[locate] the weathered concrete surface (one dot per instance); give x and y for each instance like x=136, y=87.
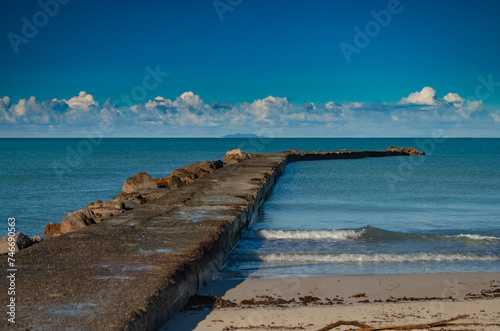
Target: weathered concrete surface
x=137, y=269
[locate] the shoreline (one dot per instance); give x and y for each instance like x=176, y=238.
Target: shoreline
x=312, y=303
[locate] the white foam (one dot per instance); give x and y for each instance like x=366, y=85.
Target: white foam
x=374, y=258
x=475, y=237
x=310, y=234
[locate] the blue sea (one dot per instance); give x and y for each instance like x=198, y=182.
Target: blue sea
x=433, y=213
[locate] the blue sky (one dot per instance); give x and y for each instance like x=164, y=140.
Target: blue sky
x=265, y=62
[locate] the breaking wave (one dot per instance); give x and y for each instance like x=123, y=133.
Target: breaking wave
x=373, y=258
x=368, y=233
x=310, y=234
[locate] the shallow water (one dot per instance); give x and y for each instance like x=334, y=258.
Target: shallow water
x=367, y=216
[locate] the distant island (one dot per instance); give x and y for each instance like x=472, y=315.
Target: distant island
x=242, y=135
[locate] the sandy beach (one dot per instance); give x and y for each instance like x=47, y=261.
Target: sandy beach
x=371, y=300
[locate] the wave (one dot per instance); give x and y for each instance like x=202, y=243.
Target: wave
x=374, y=258
x=475, y=237
x=367, y=233
x=310, y=234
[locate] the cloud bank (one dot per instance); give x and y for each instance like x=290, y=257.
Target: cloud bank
x=421, y=113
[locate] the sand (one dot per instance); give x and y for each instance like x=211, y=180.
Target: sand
x=374, y=300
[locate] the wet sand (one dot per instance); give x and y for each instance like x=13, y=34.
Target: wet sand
x=373, y=300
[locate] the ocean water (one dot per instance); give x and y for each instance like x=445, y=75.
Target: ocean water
x=424, y=214
x=436, y=213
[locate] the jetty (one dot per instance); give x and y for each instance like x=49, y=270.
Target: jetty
x=135, y=270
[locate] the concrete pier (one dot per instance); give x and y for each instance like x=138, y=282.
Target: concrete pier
x=136, y=270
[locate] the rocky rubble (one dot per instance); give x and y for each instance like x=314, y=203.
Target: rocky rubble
x=234, y=156
x=408, y=150
x=136, y=190
x=21, y=241
x=140, y=181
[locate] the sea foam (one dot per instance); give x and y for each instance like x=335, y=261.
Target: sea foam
x=309, y=234
x=373, y=258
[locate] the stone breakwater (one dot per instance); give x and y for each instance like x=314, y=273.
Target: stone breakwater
x=137, y=190
x=134, y=269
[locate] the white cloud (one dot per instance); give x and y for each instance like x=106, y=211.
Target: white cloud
x=189, y=99
x=474, y=105
x=5, y=101
x=83, y=101
x=29, y=111
x=4, y=110
x=424, y=97
x=187, y=114
x=453, y=97
x=496, y=116
x=159, y=102
x=268, y=111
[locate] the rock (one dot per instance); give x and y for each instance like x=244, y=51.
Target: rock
x=98, y=212
x=121, y=197
x=191, y=172
x=175, y=182
x=77, y=220
x=21, y=241
x=234, y=156
x=407, y=150
x=52, y=230
x=135, y=197
x=132, y=184
x=95, y=204
x=137, y=201
x=146, y=186
x=203, y=167
x=152, y=194
x=36, y=239
x=110, y=204
x=130, y=204
x=292, y=151
x=184, y=175
x=161, y=182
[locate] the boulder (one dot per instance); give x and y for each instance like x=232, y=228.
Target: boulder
x=20, y=239
x=146, y=186
x=155, y=193
x=77, y=220
x=184, y=175
x=119, y=198
x=137, y=182
x=52, y=230
x=111, y=211
x=175, y=182
x=95, y=204
x=407, y=150
x=36, y=239
x=234, y=156
x=130, y=204
x=191, y=172
x=122, y=197
x=203, y=167
x=161, y=182
x=292, y=151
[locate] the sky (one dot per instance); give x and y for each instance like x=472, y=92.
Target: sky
x=207, y=68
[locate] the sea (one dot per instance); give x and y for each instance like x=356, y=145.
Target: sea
x=422, y=214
